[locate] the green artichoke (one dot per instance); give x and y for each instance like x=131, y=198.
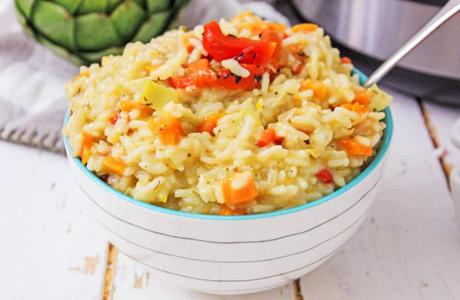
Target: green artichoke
x=83, y=31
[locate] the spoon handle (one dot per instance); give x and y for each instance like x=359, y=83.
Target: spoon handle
x=449, y=10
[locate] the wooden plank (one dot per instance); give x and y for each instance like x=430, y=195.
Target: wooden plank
x=442, y=119
x=50, y=248
x=132, y=281
x=409, y=246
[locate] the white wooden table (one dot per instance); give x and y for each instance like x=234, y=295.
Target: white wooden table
x=409, y=248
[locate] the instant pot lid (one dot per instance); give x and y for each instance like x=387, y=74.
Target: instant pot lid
x=408, y=80
x=430, y=2
x=378, y=28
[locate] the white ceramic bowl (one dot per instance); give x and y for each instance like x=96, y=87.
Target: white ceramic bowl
x=234, y=254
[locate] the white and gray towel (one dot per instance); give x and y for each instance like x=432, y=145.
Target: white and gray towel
x=32, y=79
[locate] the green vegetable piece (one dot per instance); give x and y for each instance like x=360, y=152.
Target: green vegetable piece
x=96, y=32
x=82, y=31
x=127, y=18
x=95, y=57
x=25, y=7
x=92, y=6
x=55, y=23
x=380, y=100
x=154, y=6
x=156, y=95
x=70, y=5
x=141, y=3
x=112, y=4
x=155, y=25
x=62, y=52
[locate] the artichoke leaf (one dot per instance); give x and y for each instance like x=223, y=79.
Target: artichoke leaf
x=127, y=18
x=95, y=56
x=54, y=22
x=84, y=29
x=92, y=6
x=155, y=25
x=112, y=5
x=154, y=6
x=25, y=7
x=95, y=32
x=70, y=5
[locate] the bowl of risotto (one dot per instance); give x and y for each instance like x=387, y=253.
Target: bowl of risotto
x=232, y=157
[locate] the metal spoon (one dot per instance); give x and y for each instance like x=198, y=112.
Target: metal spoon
x=449, y=10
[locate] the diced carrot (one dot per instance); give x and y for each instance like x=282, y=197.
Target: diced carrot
x=354, y=147
x=346, y=60
x=305, y=27
x=114, y=116
x=227, y=211
x=241, y=188
x=88, y=140
x=363, y=97
x=324, y=176
x=269, y=137
x=114, y=165
x=295, y=48
x=320, y=90
x=279, y=27
x=297, y=100
x=242, y=15
x=144, y=110
x=86, y=144
x=254, y=28
x=209, y=123
x=85, y=72
x=356, y=107
x=170, y=131
x=85, y=154
x=199, y=65
x=258, y=27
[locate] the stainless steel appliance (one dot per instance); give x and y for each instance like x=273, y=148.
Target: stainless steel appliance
x=371, y=30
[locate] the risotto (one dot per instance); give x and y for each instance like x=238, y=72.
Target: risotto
x=233, y=117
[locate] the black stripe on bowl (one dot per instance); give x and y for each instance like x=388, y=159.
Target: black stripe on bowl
x=238, y=280
x=239, y=261
x=236, y=242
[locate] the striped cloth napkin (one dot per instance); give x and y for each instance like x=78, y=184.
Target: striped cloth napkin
x=32, y=79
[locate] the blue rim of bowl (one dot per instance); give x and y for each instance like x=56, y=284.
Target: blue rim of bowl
x=383, y=149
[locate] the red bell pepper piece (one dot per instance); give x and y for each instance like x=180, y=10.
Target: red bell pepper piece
x=247, y=51
x=269, y=137
x=200, y=75
x=324, y=176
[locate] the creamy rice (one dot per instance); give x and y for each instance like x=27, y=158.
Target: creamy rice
x=326, y=126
